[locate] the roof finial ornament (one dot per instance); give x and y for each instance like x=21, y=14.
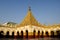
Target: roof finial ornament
x=29, y=8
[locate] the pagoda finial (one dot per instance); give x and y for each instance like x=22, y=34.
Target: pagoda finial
x=29, y=8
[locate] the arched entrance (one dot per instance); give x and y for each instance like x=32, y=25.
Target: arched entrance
x=21, y=34
x=18, y=36
x=1, y=34
x=52, y=33
x=42, y=34
x=12, y=35
x=58, y=33
x=7, y=34
x=47, y=34
x=38, y=33
x=26, y=33
x=34, y=31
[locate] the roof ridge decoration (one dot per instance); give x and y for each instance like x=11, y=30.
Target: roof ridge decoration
x=29, y=20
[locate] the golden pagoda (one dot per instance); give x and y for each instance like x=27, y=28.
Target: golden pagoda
x=29, y=20
x=29, y=27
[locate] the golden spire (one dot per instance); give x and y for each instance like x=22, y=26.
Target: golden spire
x=29, y=20
x=29, y=8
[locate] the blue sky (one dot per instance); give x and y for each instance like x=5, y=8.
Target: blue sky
x=45, y=11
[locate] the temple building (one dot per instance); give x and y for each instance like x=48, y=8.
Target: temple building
x=29, y=27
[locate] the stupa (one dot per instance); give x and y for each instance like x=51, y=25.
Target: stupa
x=29, y=27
